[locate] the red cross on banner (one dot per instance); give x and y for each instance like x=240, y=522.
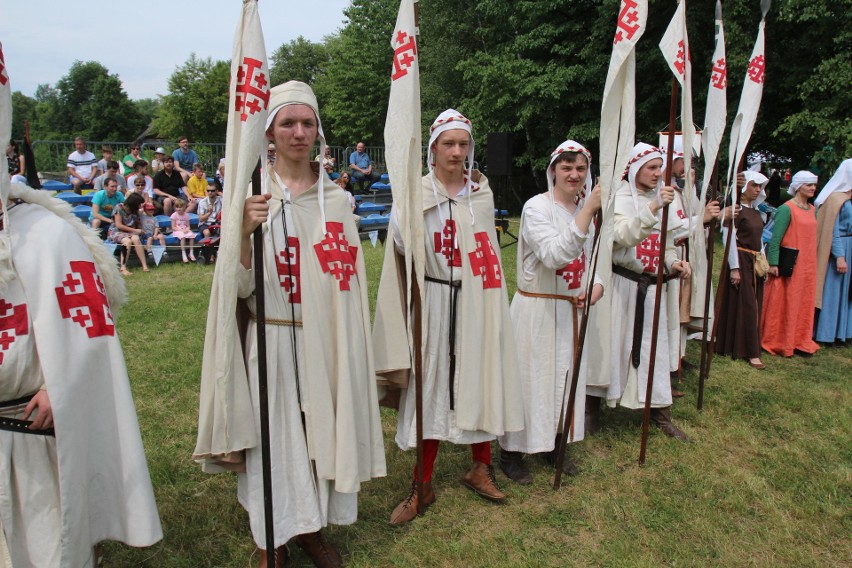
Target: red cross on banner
x=720, y=74
x=289, y=275
x=404, y=54
x=252, y=88
x=573, y=272
x=4, y=78
x=756, y=68
x=680, y=62
x=627, y=18
x=485, y=262
x=336, y=255
x=13, y=323
x=445, y=243
x=648, y=253
x=82, y=298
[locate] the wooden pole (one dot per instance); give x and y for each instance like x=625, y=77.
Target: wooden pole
x=711, y=244
x=417, y=323
x=655, y=329
x=262, y=384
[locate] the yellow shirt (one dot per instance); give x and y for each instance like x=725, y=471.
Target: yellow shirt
x=197, y=187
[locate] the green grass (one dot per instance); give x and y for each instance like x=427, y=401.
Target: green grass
x=765, y=480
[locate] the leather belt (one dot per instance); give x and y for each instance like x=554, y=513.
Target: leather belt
x=572, y=299
x=272, y=321
x=23, y=427
x=455, y=286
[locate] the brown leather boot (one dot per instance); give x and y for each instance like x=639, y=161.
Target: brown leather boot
x=321, y=552
x=662, y=419
x=512, y=464
x=480, y=479
x=407, y=509
x=591, y=424
x=282, y=553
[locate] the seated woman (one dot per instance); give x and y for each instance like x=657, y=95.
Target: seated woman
x=738, y=331
x=126, y=230
x=15, y=159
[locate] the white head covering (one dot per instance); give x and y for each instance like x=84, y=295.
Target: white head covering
x=677, y=152
x=299, y=93
x=569, y=146
x=840, y=181
x=642, y=154
x=451, y=119
x=760, y=180
x=802, y=177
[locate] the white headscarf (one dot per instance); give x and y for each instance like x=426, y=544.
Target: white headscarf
x=642, y=154
x=451, y=119
x=569, y=146
x=760, y=180
x=801, y=178
x=299, y=93
x=840, y=181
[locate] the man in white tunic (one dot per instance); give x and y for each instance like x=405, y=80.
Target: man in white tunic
x=471, y=390
x=72, y=466
x=325, y=432
x=635, y=257
x=554, y=252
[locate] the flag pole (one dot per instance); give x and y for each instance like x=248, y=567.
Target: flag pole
x=578, y=357
x=706, y=354
x=655, y=329
x=262, y=381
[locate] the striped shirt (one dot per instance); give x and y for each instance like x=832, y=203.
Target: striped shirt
x=83, y=163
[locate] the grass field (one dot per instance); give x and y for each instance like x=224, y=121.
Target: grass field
x=765, y=480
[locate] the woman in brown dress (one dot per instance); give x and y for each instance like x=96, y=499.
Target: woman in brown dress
x=738, y=332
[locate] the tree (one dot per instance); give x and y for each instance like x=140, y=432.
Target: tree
x=197, y=103
x=298, y=60
x=23, y=108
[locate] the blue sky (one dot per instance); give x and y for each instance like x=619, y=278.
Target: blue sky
x=143, y=41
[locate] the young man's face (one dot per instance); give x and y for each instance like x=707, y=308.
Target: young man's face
x=111, y=188
x=649, y=175
x=211, y=193
x=169, y=165
x=677, y=168
x=570, y=175
x=751, y=191
x=450, y=151
x=184, y=144
x=294, y=132
x=112, y=172
x=106, y=155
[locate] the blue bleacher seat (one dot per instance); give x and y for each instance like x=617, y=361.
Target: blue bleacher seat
x=82, y=212
x=385, y=178
x=163, y=221
x=54, y=185
x=365, y=208
x=73, y=199
x=193, y=220
x=379, y=186
x=374, y=222
x=172, y=241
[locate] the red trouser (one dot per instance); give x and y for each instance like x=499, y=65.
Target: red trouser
x=480, y=451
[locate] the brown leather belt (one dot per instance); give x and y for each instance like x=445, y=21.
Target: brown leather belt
x=272, y=321
x=572, y=299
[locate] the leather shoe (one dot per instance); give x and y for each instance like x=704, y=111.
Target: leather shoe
x=321, y=552
x=662, y=419
x=407, y=509
x=676, y=393
x=512, y=464
x=480, y=479
x=759, y=366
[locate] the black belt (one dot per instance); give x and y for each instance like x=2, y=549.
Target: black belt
x=455, y=286
x=21, y=426
x=644, y=281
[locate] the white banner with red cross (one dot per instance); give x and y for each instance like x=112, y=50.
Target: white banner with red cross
x=716, y=113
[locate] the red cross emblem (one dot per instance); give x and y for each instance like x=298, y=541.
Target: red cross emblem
x=13, y=323
x=680, y=62
x=4, y=78
x=756, y=68
x=336, y=255
x=445, y=243
x=484, y=262
x=252, y=88
x=627, y=18
x=648, y=253
x=404, y=54
x=289, y=275
x=573, y=272
x=719, y=78
x=681, y=214
x=83, y=299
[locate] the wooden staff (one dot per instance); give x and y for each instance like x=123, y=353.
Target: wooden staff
x=578, y=357
x=655, y=328
x=262, y=390
x=704, y=365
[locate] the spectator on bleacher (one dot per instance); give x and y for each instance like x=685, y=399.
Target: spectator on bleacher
x=104, y=203
x=15, y=158
x=157, y=163
x=168, y=186
x=131, y=158
x=139, y=185
x=150, y=227
x=196, y=187
x=209, y=211
x=140, y=168
x=111, y=172
x=126, y=230
x=362, y=168
x=82, y=167
x=184, y=158
x=181, y=229
x=220, y=177
x=106, y=157
x=327, y=160
x=342, y=183
x=270, y=155
x=346, y=180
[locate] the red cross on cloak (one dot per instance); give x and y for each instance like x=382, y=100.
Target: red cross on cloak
x=485, y=262
x=13, y=323
x=290, y=276
x=336, y=255
x=573, y=272
x=445, y=243
x=648, y=253
x=82, y=298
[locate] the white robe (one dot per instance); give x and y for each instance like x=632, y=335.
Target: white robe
x=628, y=384
x=544, y=327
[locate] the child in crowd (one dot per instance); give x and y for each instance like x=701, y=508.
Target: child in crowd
x=126, y=230
x=140, y=168
x=196, y=187
x=181, y=230
x=106, y=158
x=150, y=227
